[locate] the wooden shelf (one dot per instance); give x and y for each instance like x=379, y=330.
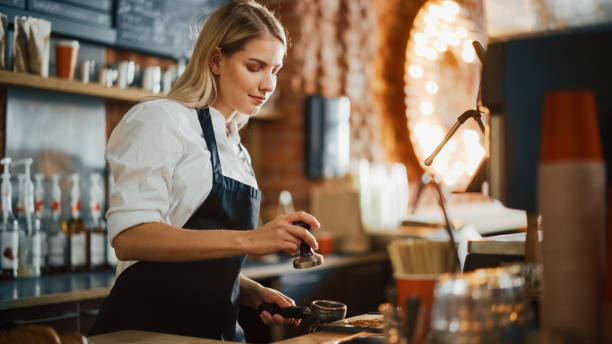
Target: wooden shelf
x=75, y=87
x=130, y=94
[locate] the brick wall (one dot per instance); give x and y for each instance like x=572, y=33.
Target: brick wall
x=395, y=18
x=332, y=47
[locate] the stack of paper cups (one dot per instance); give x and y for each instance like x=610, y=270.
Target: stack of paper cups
x=571, y=198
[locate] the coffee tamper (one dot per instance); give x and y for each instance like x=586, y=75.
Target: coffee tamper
x=307, y=258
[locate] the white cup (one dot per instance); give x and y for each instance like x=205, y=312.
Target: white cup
x=126, y=71
x=151, y=80
x=87, y=70
x=107, y=76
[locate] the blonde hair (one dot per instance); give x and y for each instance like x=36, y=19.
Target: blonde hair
x=229, y=28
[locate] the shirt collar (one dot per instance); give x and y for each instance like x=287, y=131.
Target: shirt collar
x=230, y=131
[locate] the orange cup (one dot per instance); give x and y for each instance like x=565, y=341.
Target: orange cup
x=66, y=52
x=326, y=243
x=421, y=286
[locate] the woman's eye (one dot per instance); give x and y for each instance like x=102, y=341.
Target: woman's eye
x=253, y=69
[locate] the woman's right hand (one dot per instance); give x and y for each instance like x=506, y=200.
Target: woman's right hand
x=281, y=234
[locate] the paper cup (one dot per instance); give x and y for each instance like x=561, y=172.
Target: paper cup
x=421, y=286
x=326, y=242
x=66, y=52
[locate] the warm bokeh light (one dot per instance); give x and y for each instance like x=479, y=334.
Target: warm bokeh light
x=431, y=87
x=416, y=71
x=420, y=50
x=461, y=32
x=435, y=10
x=467, y=54
x=440, y=45
x=431, y=31
x=449, y=38
x=439, y=88
x=426, y=108
x=452, y=6
x=431, y=54
x=419, y=38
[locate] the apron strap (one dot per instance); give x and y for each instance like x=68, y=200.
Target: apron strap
x=209, y=137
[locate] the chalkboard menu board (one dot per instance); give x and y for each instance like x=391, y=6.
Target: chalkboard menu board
x=161, y=27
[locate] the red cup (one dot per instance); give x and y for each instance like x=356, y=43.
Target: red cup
x=326, y=243
x=66, y=52
x=420, y=286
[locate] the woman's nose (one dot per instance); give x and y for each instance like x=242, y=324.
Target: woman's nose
x=268, y=82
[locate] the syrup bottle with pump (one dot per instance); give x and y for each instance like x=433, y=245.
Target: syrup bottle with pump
x=30, y=247
x=77, y=233
x=97, y=235
x=20, y=202
x=9, y=228
x=41, y=216
x=57, y=260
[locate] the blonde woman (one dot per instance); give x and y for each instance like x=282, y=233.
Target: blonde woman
x=185, y=197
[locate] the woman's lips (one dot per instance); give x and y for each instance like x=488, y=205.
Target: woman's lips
x=259, y=100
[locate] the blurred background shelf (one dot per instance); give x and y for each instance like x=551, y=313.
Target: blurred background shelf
x=24, y=80
x=130, y=94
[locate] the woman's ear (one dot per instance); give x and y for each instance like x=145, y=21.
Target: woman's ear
x=215, y=61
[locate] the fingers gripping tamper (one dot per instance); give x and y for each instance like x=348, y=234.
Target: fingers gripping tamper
x=308, y=258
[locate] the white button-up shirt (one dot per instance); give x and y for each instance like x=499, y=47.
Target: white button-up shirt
x=161, y=165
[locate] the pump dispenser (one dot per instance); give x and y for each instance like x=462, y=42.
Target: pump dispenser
x=9, y=228
x=20, y=201
x=58, y=241
x=97, y=235
x=40, y=216
x=30, y=243
x=77, y=233
x=39, y=195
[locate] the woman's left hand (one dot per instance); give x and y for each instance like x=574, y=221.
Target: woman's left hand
x=274, y=296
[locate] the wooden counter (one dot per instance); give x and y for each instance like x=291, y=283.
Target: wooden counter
x=141, y=337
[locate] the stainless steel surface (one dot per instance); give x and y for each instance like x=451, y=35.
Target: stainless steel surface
x=25, y=292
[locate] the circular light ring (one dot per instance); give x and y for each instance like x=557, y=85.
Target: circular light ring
x=441, y=81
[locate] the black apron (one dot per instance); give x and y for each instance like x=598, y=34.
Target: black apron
x=197, y=299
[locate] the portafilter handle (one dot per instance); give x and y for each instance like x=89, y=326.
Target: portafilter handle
x=287, y=312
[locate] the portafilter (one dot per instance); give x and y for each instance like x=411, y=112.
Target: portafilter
x=322, y=311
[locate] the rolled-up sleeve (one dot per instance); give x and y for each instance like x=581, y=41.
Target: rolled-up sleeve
x=142, y=152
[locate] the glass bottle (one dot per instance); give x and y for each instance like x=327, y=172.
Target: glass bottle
x=97, y=235
x=41, y=217
x=57, y=260
x=77, y=233
x=29, y=240
x=20, y=210
x=9, y=228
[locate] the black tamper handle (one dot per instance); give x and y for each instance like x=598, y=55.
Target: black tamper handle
x=287, y=312
x=305, y=249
